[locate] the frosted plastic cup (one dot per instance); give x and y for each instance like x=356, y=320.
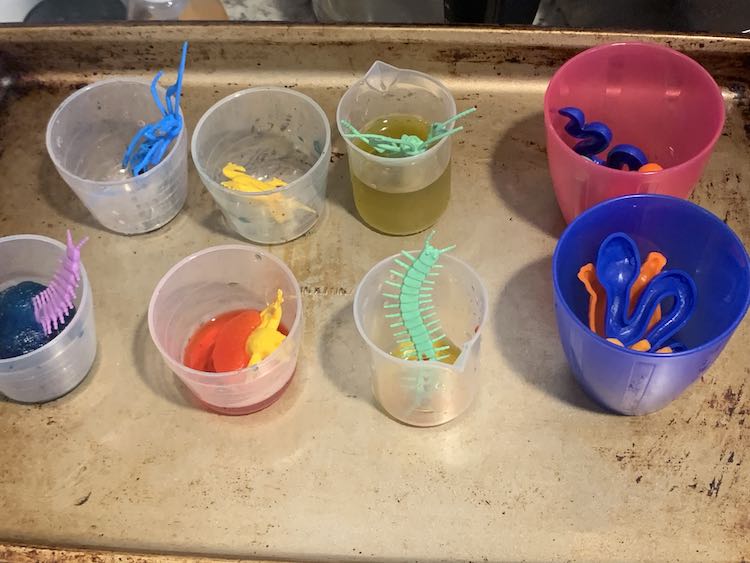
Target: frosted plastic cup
x=215, y=281
x=650, y=96
x=86, y=139
x=426, y=393
x=398, y=196
x=691, y=239
x=273, y=133
x=60, y=365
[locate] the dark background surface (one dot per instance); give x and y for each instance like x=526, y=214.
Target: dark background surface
x=712, y=16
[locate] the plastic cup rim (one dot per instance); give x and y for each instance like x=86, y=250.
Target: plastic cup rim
x=706, y=150
x=710, y=216
x=110, y=183
x=467, y=345
x=77, y=318
x=196, y=255
x=257, y=90
x=403, y=160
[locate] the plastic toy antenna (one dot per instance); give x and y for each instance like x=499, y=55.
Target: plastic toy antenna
x=418, y=328
x=407, y=145
x=150, y=143
x=53, y=304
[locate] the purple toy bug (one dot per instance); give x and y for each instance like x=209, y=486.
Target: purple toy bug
x=53, y=304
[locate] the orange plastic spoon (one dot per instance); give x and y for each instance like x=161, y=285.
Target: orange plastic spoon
x=653, y=265
x=597, y=298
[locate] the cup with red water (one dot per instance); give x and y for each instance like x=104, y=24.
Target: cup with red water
x=209, y=285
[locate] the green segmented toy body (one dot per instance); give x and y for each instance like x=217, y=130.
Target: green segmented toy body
x=416, y=322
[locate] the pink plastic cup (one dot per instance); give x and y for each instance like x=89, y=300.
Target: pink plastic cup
x=650, y=96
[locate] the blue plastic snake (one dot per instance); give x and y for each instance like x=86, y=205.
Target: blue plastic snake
x=150, y=143
x=618, y=264
x=595, y=138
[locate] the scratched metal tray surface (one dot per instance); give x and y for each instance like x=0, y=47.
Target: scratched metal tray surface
x=534, y=470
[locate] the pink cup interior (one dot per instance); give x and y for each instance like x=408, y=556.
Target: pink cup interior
x=650, y=96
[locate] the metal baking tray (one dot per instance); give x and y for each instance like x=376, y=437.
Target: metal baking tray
x=128, y=463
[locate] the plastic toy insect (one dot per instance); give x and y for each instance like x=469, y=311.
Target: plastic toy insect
x=241, y=181
x=53, y=304
x=266, y=338
x=417, y=325
x=407, y=145
x=150, y=143
x=279, y=205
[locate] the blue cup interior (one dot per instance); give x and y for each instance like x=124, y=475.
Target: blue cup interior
x=691, y=238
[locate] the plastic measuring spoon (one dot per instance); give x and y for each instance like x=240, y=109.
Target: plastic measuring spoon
x=595, y=136
x=674, y=284
x=597, y=298
x=626, y=155
x=654, y=264
x=618, y=264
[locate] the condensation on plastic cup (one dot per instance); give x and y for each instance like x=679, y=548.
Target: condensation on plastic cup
x=59, y=366
x=86, y=138
x=271, y=132
x=214, y=281
x=424, y=393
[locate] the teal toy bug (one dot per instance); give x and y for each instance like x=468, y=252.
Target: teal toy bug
x=407, y=145
x=418, y=329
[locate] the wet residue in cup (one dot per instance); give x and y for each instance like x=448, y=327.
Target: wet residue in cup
x=236, y=339
x=20, y=332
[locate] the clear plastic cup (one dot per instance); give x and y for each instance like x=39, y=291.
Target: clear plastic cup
x=272, y=132
x=215, y=281
x=86, y=139
x=650, y=96
x=398, y=196
x=426, y=393
x=60, y=365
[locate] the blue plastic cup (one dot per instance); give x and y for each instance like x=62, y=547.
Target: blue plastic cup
x=693, y=240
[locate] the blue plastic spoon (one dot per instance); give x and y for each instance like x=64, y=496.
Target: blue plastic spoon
x=618, y=264
x=674, y=284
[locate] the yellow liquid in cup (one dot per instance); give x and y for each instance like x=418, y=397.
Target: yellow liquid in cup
x=407, y=212
x=451, y=354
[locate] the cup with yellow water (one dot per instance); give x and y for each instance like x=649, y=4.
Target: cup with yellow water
x=398, y=194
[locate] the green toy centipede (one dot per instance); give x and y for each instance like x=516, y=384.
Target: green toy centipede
x=418, y=329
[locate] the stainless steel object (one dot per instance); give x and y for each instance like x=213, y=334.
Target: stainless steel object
x=128, y=463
